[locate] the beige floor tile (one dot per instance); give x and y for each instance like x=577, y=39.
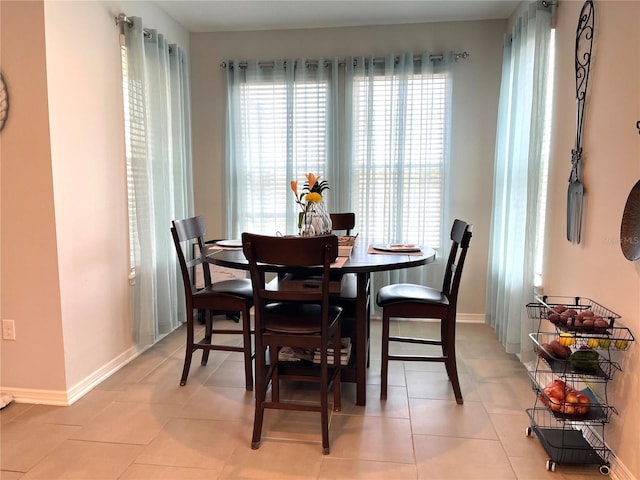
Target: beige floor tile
x=294, y=426
x=124, y=422
x=24, y=444
x=581, y=472
x=203, y=430
x=80, y=413
x=512, y=395
x=7, y=475
x=436, y=385
x=229, y=374
x=511, y=429
x=496, y=370
x=162, y=385
x=347, y=469
x=449, y=458
x=192, y=443
x=274, y=460
x=533, y=468
x=220, y=403
x=85, y=460
x=372, y=438
x=396, y=404
x=479, y=348
x=13, y=410
x=161, y=472
x=447, y=418
x=174, y=341
x=134, y=371
x=396, y=374
x=435, y=366
x=171, y=369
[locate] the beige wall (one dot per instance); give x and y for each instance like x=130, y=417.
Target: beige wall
x=474, y=111
x=64, y=274
x=30, y=285
x=596, y=268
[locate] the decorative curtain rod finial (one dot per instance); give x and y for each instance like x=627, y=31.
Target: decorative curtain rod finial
x=122, y=18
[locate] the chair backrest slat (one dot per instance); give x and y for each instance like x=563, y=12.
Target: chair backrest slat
x=192, y=231
x=460, y=238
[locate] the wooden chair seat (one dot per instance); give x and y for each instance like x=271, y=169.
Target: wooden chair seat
x=410, y=293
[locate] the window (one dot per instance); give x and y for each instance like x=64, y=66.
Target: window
x=399, y=155
x=381, y=143
x=284, y=136
x=134, y=139
x=544, y=164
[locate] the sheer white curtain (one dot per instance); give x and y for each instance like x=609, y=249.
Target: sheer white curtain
x=281, y=124
x=398, y=112
x=516, y=211
x=158, y=138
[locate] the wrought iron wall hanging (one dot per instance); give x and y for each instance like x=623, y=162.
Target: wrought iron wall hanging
x=4, y=102
x=584, y=43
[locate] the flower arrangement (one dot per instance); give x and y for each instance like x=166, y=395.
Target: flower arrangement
x=310, y=196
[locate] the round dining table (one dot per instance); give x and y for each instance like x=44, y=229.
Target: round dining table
x=354, y=292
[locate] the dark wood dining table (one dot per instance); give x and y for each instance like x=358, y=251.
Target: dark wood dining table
x=355, y=293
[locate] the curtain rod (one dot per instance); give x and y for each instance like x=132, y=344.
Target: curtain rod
x=123, y=19
x=433, y=58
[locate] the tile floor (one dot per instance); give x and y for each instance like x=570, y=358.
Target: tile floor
x=140, y=424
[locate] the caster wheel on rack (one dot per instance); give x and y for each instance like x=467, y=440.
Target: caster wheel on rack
x=528, y=431
x=605, y=469
x=551, y=465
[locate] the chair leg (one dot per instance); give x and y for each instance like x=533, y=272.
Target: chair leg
x=189, y=348
x=275, y=378
x=324, y=405
x=385, y=355
x=444, y=336
x=452, y=371
x=207, y=336
x=261, y=393
x=337, y=386
x=449, y=346
x=246, y=339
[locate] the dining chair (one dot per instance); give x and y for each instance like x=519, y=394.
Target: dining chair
x=290, y=316
x=343, y=221
x=227, y=295
x=418, y=301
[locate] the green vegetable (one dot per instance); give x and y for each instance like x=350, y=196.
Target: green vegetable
x=585, y=360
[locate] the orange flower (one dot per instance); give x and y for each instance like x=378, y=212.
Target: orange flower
x=312, y=179
x=294, y=187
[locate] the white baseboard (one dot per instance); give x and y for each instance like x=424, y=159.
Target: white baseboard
x=64, y=398
x=81, y=388
x=460, y=317
x=44, y=397
x=470, y=317
x=619, y=471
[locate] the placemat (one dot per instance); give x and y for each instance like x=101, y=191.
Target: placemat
x=339, y=263
x=379, y=252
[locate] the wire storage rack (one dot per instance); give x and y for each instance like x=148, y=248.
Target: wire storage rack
x=570, y=377
x=567, y=442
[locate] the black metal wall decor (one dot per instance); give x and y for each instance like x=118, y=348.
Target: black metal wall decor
x=584, y=43
x=4, y=102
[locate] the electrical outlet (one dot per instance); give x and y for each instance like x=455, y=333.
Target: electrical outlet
x=9, y=329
